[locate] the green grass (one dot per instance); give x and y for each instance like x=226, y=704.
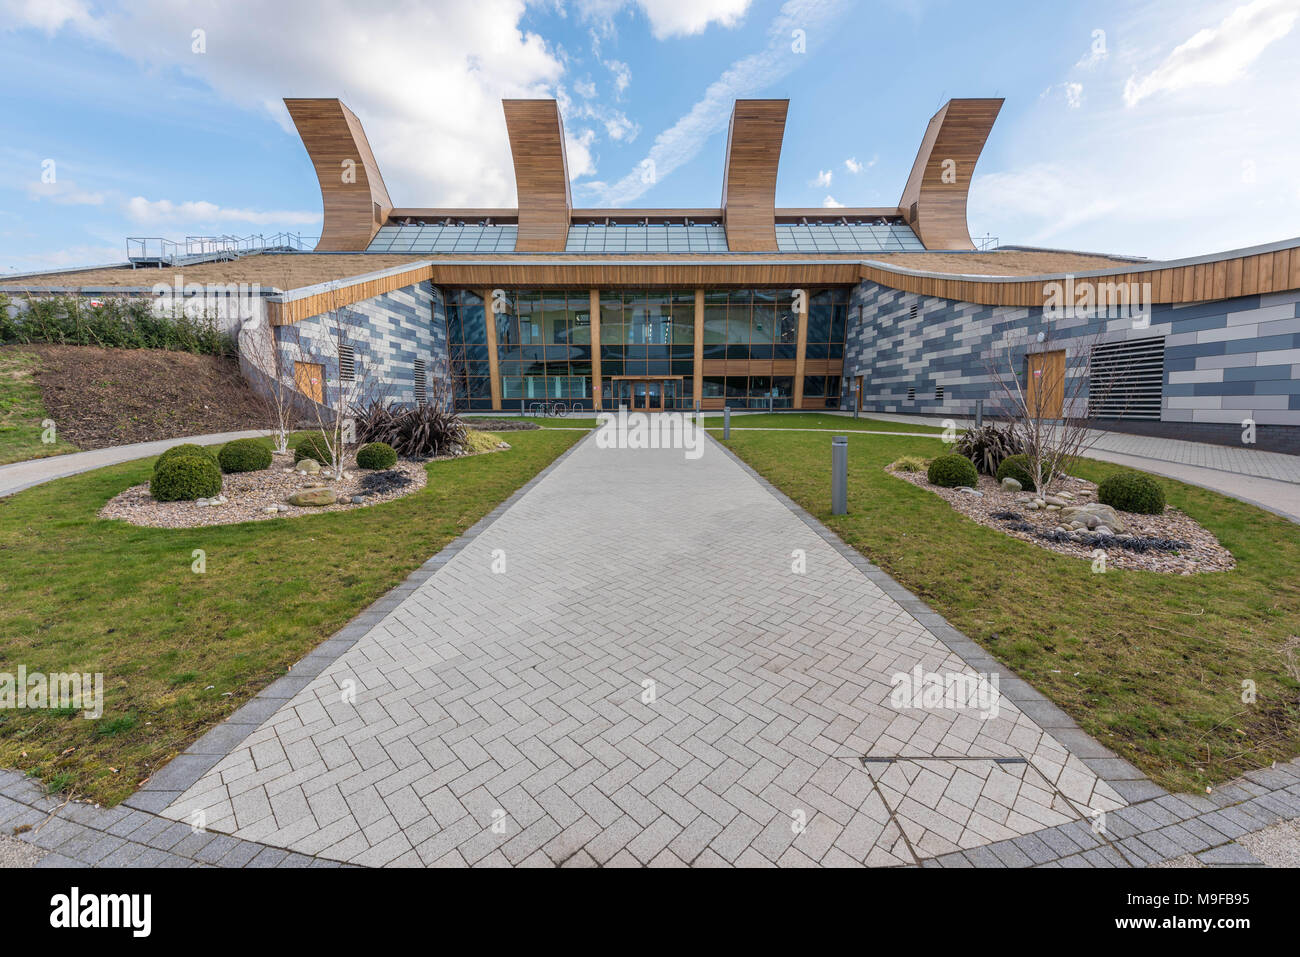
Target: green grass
x=813, y=420
x=1151, y=665
x=180, y=651
x=22, y=412
x=757, y=420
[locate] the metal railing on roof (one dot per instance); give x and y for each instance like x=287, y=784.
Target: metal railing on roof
x=159, y=251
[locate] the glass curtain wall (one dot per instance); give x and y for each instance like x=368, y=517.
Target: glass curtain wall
x=648, y=332
x=467, y=348
x=544, y=346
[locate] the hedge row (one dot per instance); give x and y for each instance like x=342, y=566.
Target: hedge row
x=113, y=324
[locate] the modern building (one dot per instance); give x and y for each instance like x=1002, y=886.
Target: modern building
x=746, y=304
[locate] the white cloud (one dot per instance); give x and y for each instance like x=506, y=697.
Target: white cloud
x=669, y=18
x=682, y=141
x=585, y=89
x=163, y=212
x=830, y=202
x=426, y=79
x=1073, y=94
x=853, y=166
x=577, y=150
x=618, y=127
x=622, y=74
x=1219, y=55
x=65, y=193
x=823, y=180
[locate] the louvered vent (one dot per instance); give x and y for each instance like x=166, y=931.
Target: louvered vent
x=421, y=382
x=938, y=394
x=913, y=311
x=1126, y=378
x=911, y=394
x=347, y=364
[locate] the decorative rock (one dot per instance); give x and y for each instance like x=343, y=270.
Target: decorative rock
x=308, y=467
x=272, y=509
x=1011, y=485
x=314, y=497
x=358, y=500
x=1041, y=503
x=1103, y=530
x=1053, y=508
x=1093, y=514
x=1056, y=500
x=969, y=491
x=1031, y=506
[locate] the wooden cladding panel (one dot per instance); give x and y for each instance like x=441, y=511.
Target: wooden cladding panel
x=749, y=180
x=934, y=199
x=1249, y=275
x=541, y=174
x=353, y=195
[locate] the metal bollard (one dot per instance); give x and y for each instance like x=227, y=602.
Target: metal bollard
x=979, y=413
x=839, y=475
x=726, y=422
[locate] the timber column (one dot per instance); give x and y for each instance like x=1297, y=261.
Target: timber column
x=801, y=348
x=494, y=368
x=595, y=349
x=698, y=385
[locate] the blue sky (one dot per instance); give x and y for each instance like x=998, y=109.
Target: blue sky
x=1160, y=129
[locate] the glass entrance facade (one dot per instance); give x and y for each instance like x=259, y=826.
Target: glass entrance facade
x=644, y=352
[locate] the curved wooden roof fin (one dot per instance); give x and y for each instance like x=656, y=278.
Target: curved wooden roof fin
x=541, y=174
x=749, y=181
x=353, y=194
x=934, y=200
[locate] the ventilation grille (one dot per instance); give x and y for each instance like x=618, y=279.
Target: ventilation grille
x=347, y=364
x=1126, y=379
x=911, y=394
x=421, y=383
x=938, y=394
x=911, y=313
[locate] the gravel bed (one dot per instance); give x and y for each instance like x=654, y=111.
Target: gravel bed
x=1197, y=549
x=250, y=494
x=16, y=853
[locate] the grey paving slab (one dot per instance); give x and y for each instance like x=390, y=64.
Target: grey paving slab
x=639, y=641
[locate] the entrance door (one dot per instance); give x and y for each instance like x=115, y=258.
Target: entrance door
x=1046, y=388
x=654, y=396
x=308, y=377
x=857, y=391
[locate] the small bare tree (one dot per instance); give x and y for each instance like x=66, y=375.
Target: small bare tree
x=262, y=353
x=1045, y=400
x=343, y=384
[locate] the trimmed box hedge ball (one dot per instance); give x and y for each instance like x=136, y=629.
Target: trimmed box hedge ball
x=1131, y=492
x=376, y=455
x=950, y=471
x=1017, y=467
x=244, y=455
x=185, y=478
x=313, y=447
x=187, y=448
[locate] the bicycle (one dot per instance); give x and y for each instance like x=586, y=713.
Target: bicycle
x=553, y=409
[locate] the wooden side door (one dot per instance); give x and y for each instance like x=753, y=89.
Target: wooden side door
x=857, y=392
x=310, y=379
x=1045, y=391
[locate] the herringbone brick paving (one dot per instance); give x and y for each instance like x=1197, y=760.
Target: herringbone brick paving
x=626, y=668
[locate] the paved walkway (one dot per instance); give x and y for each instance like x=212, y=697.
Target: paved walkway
x=516, y=698
x=21, y=475
x=1270, y=480
x=503, y=717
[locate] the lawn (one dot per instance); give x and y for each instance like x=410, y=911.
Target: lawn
x=180, y=651
x=754, y=420
x=22, y=412
x=1151, y=665
x=813, y=420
